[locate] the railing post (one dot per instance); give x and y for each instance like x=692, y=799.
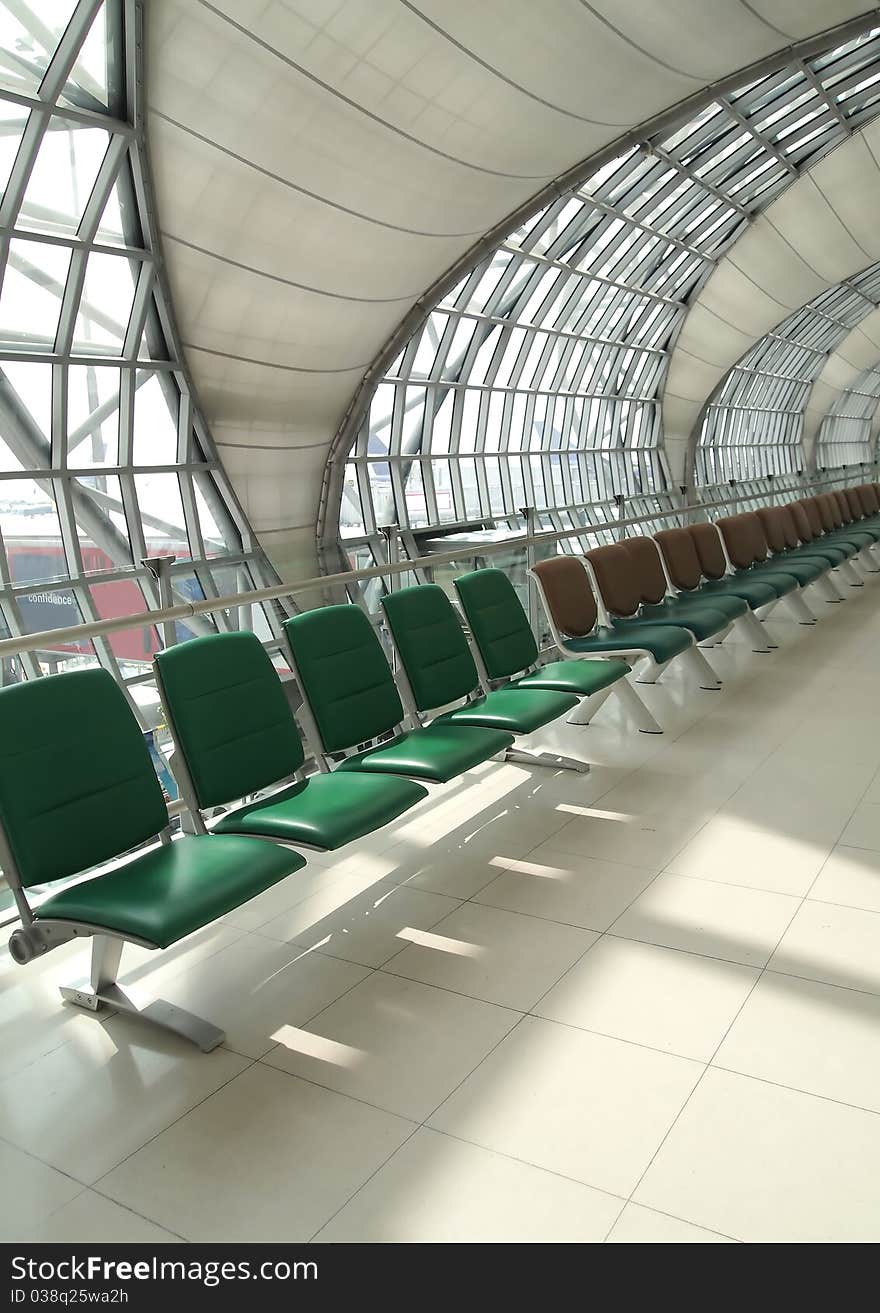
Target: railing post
x=160, y=568
x=392, y=556
x=530, y=516
x=620, y=500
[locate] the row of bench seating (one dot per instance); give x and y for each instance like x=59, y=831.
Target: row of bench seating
x=66, y=809
x=704, y=578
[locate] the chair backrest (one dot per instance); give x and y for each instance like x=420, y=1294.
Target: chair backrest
x=744, y=538
x=827, y=509
x=618, y=578
x=567, y=595
x=843, y=506
x=854, y=502
x=497, y=621
x=343, y=675
x=807, y=530
x=774, y=529
x=867, y=498
x=229, y=715
x=789, y=525
x=709, y=549
x=431, y=645
x=645, y=556
x=680, y=554
x=77, y=786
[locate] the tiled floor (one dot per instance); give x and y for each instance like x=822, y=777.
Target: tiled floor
x=641, y=1005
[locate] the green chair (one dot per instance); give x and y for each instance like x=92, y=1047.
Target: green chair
x=236, y=736
x=506, y=650
x=77, y=790
x=354, y=708
x=439, y=669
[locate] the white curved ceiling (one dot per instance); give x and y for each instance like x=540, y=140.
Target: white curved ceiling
x=319, y=165
x=844, y=369
x=818, y=233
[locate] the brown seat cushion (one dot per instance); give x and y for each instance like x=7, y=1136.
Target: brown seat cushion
x=617, y=575
x=803, y=522
x=772, y=522
x=646, y=558
x=682, y=560
x=744, y=538
x=709, y=550
x=568, y=595
x=868, y=498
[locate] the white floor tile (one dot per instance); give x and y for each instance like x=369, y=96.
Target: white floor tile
x=560, y=886
x=863, y=830
x=850, y=876
x=92, y=1219
x=765, y=1164
x=818, y=1038
x=87, y=1105
x=718, y=920
x=619, y=837
x=257, y=985
x=643, y=1226
x=269, y=1158
x=656, y=996
x=361, y=925
x=439, y=1190
x=583, y=1105
x=400, y=1045
x=732, y=852
x=501, y=957
x=31, y=1192
x=840, y=945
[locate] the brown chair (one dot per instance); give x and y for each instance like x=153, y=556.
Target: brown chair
x=580, y=630
x=678, y=547
x=747, y=549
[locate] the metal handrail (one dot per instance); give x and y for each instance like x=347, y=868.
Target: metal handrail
x=97, y=628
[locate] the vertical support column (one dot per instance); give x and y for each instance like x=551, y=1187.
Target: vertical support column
x=391, y=534
x=160, y=568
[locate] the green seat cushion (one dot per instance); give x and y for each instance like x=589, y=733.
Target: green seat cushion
x=583, y=678
x=756, y=592
x=498, y=623
x=77, y=786
x=439, y=752
x=833, y=553
x=784, y=583
x=702, y=621
x=701, y=618
x=431, y=645
x=728, y=604
x=516, y=709
x=344, y=675
x=326, y=811
x=853, y=537
x=805, y=569
x=175, y=889
x=663, y=641
x=229, y=715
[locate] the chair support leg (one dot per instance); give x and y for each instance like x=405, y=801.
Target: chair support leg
x=799, y=609
x=867, y=560
x=708, y=680
x=552, y=759
x=105, y=992
x=755, y=632
x=587, y=707
x=651, y=671
x=829, y=589
x=849, y=574
x=635, y=707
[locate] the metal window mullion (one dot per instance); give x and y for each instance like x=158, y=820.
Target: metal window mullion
x=23, y=166
x=63, y=60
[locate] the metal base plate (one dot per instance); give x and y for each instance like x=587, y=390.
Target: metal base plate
x=167, y=1016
